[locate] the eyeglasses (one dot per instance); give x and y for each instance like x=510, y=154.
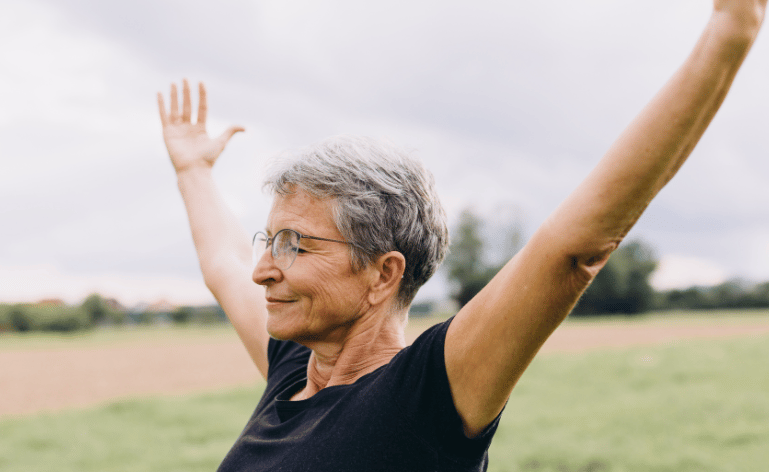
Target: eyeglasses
x=285, y=246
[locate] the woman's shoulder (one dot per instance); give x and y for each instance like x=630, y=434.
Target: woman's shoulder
x=425, y=353
x=430, y=339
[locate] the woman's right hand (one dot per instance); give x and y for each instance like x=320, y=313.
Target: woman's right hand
x=188, y=143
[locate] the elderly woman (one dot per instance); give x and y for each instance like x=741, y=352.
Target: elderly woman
x=356, y=228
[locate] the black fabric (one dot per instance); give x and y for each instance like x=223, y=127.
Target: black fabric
x=401, y=417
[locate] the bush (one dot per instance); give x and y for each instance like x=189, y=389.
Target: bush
x=20, y=321
x=209, y=314
x=181, y=314
x=25, y=317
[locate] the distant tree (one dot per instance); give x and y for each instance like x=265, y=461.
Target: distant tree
x=20, y=321
x=737, y=293
x=65, y=324
x=760, y=294
x=209, y=314
x=468, y=263
x=690, y=298
x=182, y=314
x=421, y=309
x=732, y=294
x=95, y=306
x=622, y=286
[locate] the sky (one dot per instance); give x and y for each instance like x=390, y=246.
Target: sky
x=510, y=104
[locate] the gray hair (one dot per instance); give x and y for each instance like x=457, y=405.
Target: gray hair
x=383, y=200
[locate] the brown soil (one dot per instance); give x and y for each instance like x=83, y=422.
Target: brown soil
x=53, y=379
x=580, y=337
x=44, y=380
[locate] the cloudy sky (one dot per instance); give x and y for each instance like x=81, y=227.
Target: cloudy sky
x=509, y=103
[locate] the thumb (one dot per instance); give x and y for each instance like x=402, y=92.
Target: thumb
x=228, y=133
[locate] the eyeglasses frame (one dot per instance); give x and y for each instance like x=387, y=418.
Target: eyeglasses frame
x=270, y=240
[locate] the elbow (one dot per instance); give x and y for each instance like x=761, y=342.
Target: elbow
x=580, y=254
x=213, y=271
x=587, y=264
x=211, y=280
x=211, y=283
x=223, y=270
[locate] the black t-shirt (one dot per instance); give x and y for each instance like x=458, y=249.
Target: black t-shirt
x=399, y=418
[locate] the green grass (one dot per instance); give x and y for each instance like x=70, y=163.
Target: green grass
x=688, y=406
x=693, y=406
x=191, y=433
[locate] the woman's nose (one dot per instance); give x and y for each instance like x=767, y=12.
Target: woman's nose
x=265, y=271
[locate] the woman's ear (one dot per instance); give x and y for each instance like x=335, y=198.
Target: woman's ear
x=388, y=272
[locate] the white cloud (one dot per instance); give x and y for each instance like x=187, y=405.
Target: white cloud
x=47, y=74
x=679, y=271
x=757, y=247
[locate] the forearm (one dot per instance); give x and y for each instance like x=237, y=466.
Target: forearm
x=224, y=252
x=649, y=152
x=220, y=240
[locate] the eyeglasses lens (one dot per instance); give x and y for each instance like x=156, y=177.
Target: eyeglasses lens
x=258, y=246
x=284, y=248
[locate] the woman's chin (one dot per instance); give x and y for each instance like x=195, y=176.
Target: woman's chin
x=277, y=329
x=283, y=326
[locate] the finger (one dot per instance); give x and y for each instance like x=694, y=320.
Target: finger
x=162, y=109
x=225, y=137
x=202, y=105
x=186, y=103
x=174, y=104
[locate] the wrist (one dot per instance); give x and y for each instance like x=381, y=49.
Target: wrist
x=193, y=172
x=193, y=168
x=736, y=30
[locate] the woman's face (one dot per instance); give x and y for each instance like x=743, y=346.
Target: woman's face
x=319, y=297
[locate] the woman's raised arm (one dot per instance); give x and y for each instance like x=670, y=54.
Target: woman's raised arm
x=495, y=336
x=222, y=244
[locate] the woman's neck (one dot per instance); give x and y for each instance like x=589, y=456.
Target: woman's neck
x=369, y=344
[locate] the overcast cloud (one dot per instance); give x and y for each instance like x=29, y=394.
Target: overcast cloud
x=509, y=103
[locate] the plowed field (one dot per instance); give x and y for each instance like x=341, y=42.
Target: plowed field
x=45, y=379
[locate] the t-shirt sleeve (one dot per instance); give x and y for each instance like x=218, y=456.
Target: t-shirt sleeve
x=287, y=364
x=285, y=355
x=421, y=389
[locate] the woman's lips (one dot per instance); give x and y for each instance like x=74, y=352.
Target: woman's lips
x=277, y=301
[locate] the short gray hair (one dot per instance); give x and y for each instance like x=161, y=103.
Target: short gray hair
x=383, y=200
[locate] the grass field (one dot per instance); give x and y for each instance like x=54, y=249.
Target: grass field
x=694, y=406
x=688, y=406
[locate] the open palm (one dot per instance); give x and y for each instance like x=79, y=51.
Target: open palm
x=188, y=143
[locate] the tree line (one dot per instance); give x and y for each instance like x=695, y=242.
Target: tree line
x=98, y=311
x=621, y=287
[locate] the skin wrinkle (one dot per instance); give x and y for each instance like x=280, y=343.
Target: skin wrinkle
x=338, y=313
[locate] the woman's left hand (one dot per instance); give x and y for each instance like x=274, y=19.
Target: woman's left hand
x=188, y=143
x=741, y=19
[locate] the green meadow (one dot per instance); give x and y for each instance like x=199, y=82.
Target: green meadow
x=693, y=406
x=698, y=405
